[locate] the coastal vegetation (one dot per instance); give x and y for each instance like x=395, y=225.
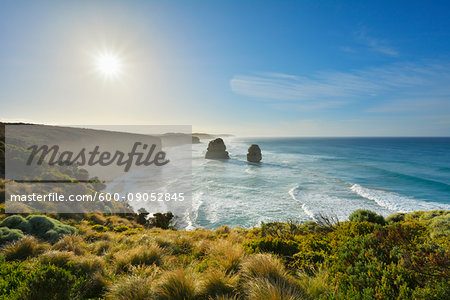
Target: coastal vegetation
x=111, y=256
x=125, y=255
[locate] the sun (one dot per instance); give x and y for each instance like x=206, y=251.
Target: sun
x=109, y=65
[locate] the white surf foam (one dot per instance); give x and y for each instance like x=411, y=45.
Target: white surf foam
x=394, y=201
x=304, y=207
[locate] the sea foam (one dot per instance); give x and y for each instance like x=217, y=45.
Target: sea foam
x=394, y=201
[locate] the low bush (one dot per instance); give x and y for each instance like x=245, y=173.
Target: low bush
x=48, y=282
x=440, y=226
x=99, y=228
x=161, y=220
x=40, y=226
x=120, y=228
x=32, y=280
x=365, y=215
x=395, y=218
x=9, y=235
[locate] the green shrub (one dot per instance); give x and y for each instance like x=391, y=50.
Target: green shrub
x=12, y=275
x=440, y=226
x=395, y=218
x=99, y=228
x=32, y=280
x=280, y=246
x=16, y=222
x=395, y=261
x=120, y=228
x=48, y=282
x=365, y=215
x=48, y=228
x=9, y=235
x=161, y=220
x=38, y=225
x=90, y=271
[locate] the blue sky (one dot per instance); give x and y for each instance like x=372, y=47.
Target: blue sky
x=254, y=68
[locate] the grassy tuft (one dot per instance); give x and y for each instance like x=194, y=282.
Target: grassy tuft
x=264, y=289
x=176, y=286
x=217, y=283
x=27, y=246
x=140, y=255
x=130, y=287
x=73, y=243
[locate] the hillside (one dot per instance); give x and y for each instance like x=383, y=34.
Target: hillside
x=405, y=256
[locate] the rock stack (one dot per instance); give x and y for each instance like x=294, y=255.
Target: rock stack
x=195, y=140
x=254, y=153
x=216, y=150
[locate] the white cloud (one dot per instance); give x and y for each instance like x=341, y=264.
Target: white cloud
x=392, y=82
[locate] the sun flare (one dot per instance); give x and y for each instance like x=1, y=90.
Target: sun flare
x=109, y=65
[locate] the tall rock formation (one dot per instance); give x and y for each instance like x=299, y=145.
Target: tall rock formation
x=254, y=153
x=216, y=150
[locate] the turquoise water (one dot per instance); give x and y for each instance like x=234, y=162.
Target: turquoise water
x=300, y=178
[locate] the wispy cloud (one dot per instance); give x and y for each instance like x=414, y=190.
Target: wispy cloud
x=398, y=81
x=375, y=44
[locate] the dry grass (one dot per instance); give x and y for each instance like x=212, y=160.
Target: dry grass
x=224, y=229
x=28, y=246
x=57, y=258
x=227, y=255
x=86, y=264
x=263, y=266
x=217, y=283
x=265, y=277
x=101, y=247
x=74, y=243
x=265, y=289
x=140, y=255
x=315, y=286
x=176, y=285
x=131, y=287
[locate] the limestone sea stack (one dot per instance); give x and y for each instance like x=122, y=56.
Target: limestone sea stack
x=254, y=153
x=216, y=150
x=195, y=140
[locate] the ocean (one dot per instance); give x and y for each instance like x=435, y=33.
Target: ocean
x=300, y=178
